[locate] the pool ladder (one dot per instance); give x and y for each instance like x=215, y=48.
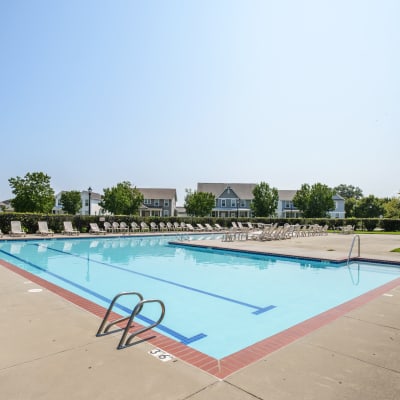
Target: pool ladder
x=125, y=339
x=351, y=247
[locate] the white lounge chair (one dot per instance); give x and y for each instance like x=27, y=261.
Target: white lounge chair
x=177, y=226
x=144, y=227
x=44, y=229
x=170, y=227
x=123, y=227
x=16, y=229
x=153, y=226
x=115, y=227
x=68, y=229
x=162, y=226
x=108, y=227
x=95, y=230
x=135, y=227
x=209, y=227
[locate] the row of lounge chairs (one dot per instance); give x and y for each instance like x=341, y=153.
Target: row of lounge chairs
x=115, y=227
x=122, y=227
x=275, y=232
x=43, y=229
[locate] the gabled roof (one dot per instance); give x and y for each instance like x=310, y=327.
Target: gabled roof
x=337, y=197
x=242, y=190
x=158, y=194
x=286, y=194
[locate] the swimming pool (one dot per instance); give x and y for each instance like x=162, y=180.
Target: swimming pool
x=217, y=302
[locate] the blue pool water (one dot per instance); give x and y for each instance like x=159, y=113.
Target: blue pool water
x=217, y=302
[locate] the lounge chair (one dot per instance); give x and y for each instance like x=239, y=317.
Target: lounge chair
x=44, y=229
x=235, y=225
x=123, y=227
x=218, y=227
x=1, y=233
x=177, y=226
x=144, y=227
x=115, y=227
x=191, y=228
x=135, y=227
x=162, y=226
x=153, y=226
x=68, y=229
x=95, y=230
x=170, y=227
x=108, y=227
x=200, y=227
x=209, y=227
x=16, y=229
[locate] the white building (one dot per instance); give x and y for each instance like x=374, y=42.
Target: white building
x=89, y=200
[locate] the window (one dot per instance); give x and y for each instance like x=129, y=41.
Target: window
x=233, y=203
x=166, y=213
x=166, y=203
x=147, y=201
x=157, y=203
x=86, y=202
x=223, y=203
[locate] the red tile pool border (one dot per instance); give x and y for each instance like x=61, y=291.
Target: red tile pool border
x=232, y=363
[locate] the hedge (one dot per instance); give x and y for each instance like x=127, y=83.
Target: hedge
x=29, y=221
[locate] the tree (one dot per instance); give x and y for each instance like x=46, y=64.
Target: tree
x=71, y=202
x=392, y=208
x=265, y=201
x=350, y=207
x=199, y=204
x=33, y=193
x=122, y=199
x=349, y=191
x=369, y=207
x=314, y=201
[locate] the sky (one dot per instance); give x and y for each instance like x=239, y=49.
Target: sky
x=168, y=93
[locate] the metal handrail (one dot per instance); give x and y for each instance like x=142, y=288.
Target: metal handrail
x=351, y=247
x=126, y=342
x=105, y=330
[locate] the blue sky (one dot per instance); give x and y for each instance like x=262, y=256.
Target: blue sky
x=171, y=93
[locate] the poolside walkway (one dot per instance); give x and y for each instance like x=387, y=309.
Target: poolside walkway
x=49, y=350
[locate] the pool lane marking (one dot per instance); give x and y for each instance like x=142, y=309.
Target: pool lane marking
x=182, y=338
x=258, y=310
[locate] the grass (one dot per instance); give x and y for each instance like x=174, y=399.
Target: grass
x=377, y=232
x=396, y=250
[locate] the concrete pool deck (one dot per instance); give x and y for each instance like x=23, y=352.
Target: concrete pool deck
x=49, y=349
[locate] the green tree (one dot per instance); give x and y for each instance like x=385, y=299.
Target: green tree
x=71, y=202
x=33, y=193
x=369, y=207
x=350, y=207
x=199, y=204
x=314, y=201
x=265, y=201
x=122, y=199
x=349, y=191
x=392, y=208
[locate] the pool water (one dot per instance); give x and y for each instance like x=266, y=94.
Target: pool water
x=217, y=302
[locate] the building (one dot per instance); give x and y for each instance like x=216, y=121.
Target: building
x=158, y=202
x=234, y=199
x=88, y=197
x=231, y=199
